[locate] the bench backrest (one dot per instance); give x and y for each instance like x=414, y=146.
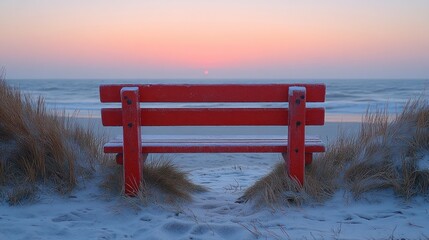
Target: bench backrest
x=227, y=93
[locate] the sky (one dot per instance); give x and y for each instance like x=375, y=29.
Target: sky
x=263, y=39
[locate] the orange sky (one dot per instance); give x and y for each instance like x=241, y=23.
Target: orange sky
x=179, y=39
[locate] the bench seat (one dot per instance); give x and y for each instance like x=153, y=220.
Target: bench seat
x=214, y=144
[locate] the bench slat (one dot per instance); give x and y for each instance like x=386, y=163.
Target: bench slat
x=195, y=144
x=213, y=116
x=213, y=93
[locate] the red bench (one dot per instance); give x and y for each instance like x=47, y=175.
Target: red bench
x=132, y=148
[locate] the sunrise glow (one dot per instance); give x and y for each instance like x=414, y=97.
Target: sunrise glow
x=278, y=39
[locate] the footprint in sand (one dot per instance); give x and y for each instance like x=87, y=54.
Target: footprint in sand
x=66, y=218
x=201, y=230
x=175, y=227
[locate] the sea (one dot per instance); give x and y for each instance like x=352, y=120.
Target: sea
x=346, y=99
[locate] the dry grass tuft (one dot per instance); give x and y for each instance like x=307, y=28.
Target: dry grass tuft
x=164, y=175
x=385, y=154
x=39, y=147
x=276, y=188
x=20, y=194
x=389, y=152
x=163, y=182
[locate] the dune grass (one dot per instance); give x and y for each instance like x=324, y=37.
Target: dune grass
x=40, y=148
x=385, y=154
x=163, y=181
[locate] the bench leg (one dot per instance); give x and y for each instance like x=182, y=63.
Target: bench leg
x=308, y=158
x=296, y=134
x=119, y=159
x=132, y=159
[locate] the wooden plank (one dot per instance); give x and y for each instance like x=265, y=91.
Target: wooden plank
x=132, y=140
x=280, y=139
x=295, y=157
x=213, y=116
x=213, y=92
x=215, y=145
x=214, y=149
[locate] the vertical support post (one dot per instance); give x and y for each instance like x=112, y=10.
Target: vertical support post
x=308, y=158
x=296, y=134
x=120, y=158
x=132, y=140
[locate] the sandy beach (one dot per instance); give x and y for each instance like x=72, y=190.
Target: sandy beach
x=89, y=213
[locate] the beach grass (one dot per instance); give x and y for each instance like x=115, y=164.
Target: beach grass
x=40, y=148
x=162, y=181
x=385, y=154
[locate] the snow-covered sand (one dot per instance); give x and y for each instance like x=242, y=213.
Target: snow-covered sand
x=89, y=213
